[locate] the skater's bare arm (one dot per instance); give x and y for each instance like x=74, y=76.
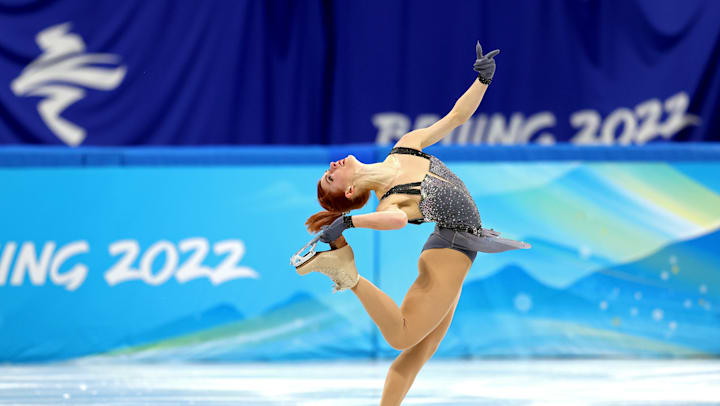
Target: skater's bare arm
x=391, y=219
x=463, y=109
x=460, y=113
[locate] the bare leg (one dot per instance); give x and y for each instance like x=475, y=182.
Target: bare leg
x=441, y=272
x=406, y=366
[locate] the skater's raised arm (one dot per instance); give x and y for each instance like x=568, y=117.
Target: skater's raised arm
x=463, y=108
x=461, y=112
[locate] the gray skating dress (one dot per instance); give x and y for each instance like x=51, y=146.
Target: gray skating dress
x=448, y=203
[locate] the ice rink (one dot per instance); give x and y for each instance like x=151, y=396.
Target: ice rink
x=481, y=382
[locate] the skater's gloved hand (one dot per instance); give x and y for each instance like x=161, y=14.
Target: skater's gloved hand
x=334, y=231
x=485, y=65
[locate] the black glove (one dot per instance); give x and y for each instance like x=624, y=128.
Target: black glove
x=335, y=229
x=485, y=65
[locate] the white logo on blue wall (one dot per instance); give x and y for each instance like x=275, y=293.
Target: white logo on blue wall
x=59, y=75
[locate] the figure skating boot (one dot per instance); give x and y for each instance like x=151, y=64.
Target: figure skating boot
x=338, y=264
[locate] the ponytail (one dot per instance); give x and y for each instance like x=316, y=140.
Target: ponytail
x=320, y=219
x=335, y=205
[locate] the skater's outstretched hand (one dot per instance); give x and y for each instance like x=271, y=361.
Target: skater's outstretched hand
x=485, y=64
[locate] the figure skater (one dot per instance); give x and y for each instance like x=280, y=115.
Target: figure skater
x=413, y=187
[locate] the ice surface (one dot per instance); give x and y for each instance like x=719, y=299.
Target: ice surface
x=545, y=382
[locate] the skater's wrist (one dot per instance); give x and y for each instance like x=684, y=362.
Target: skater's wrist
x=347, y=221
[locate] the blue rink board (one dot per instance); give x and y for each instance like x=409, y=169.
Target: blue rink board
x=183, y=254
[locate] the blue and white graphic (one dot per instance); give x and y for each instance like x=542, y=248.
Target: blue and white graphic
x=59, y=74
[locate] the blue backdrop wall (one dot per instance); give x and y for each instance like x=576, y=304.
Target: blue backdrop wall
x=166, y=72
x=163, y=254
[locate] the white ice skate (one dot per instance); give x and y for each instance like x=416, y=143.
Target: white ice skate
x=338, y=263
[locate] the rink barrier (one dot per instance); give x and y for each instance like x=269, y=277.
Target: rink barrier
x=35, y=156
x=96, y=247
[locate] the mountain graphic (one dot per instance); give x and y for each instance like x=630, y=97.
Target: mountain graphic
x=660, y=305
x=553, y=252
x=218, y=315
x=542, y=261
x=682, y=267
x=298, y=328
x=511, y=314
x=507, y=289
x=671, y=295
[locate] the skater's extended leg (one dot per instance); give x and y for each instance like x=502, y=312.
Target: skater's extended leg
x=440, y=275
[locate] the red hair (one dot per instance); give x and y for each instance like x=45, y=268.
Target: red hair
x=335, y=204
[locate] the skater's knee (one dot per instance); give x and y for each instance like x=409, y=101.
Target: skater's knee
x=407, y=342
x=399, y=342
x=403, y=339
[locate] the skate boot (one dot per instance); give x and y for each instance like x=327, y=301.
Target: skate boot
x=338, y=264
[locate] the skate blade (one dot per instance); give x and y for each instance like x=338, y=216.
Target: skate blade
x=299, y=258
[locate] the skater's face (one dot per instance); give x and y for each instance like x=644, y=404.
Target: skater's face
x=338, y=178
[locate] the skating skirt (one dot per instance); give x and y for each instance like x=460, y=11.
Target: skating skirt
x=470, y=244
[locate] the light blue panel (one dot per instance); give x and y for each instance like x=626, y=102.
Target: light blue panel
x=260, y=209
x=624, y=259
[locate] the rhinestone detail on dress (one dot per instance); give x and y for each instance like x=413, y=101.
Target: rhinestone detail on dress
x=444, y=201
